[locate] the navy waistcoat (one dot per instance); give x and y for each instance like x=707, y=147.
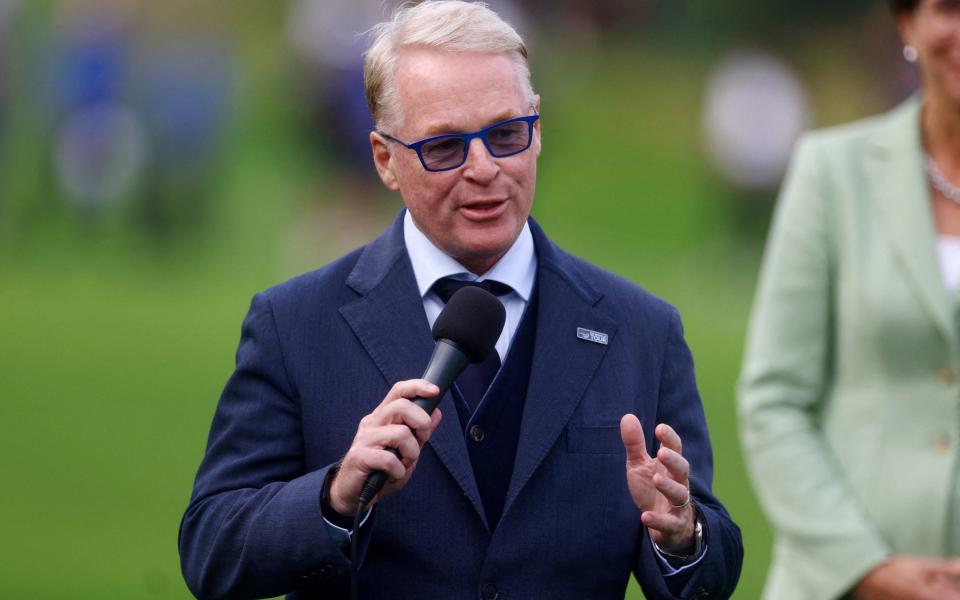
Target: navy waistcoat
x=493, y=430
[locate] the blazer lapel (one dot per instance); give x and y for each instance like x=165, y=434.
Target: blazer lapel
x=563, y=365
x=389, y=320
x=895, y=174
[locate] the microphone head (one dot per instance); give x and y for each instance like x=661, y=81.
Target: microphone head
x=472, y=319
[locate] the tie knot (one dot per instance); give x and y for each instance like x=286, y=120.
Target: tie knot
x=446, y=287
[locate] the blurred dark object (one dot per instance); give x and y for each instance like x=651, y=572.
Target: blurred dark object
x=328, y=39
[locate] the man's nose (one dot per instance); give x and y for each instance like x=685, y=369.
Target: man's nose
x=480, y=165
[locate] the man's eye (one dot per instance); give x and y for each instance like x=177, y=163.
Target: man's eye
x=507, y=132
x=446, y=145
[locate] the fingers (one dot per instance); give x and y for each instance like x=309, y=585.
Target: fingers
x=948, y=567
x=367, y=460
x=675, y=492
x=676, y=465
x=673, y=533
x=409, y=389
x=397, y=407
x=631, y=433
x=396, y=436
x=669, y=438
x=666, y=523
x=941, y=590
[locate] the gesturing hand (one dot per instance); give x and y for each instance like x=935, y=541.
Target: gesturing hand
x=905, y=577
x=660, y=486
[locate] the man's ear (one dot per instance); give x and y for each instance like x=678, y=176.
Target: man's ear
x=383, y=161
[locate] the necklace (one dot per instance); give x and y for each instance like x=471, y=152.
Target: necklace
x=940, y=182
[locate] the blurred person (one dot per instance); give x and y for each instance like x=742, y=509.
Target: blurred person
x=185, y=84
x=577, y=453
x=100, y=142
x=342, y=210
x=848, y=397
x=327, y=37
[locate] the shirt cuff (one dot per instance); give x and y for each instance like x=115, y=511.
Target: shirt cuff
x=338, y=526
x=343, y=533
x=670, y=566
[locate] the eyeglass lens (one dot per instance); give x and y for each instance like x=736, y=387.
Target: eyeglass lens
x=502, y=140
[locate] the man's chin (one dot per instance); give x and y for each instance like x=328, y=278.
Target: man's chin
x=480, y=259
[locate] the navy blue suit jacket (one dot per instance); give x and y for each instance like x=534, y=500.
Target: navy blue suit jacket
x=320, y=351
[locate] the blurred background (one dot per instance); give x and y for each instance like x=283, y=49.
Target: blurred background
x=160, y=162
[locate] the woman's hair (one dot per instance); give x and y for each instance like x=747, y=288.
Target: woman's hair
x=904, y=6
x=450, y=25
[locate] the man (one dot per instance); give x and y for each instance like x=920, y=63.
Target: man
x=512, y=488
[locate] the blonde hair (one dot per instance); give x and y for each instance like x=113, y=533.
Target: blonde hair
x=450, y=25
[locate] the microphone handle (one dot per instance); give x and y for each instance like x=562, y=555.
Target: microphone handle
x=447, y=361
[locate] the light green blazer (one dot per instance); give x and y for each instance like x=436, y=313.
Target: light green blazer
x=848, y=400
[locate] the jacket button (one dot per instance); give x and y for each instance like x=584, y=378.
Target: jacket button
x=477, y=434
x=945, y=375
x=489, y=592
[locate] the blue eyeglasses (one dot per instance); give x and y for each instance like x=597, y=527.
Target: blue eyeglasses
x=449, y=151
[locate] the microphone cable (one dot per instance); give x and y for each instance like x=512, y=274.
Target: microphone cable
x=354, y=569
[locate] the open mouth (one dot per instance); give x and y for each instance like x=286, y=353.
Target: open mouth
x=483, y=209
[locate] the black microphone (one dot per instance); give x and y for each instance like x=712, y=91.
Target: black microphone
x=466, y=331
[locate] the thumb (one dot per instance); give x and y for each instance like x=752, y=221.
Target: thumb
x=633, y=441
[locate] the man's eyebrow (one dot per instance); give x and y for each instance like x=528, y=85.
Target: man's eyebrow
x=444, y=128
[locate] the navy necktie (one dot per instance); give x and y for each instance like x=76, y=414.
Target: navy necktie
x=477, y=377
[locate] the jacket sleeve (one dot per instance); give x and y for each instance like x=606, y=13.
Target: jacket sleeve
x=786, y=374
x=715, y=576
x=254, y=527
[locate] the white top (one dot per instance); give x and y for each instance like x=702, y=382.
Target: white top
x=517, y=268
x=948, y=247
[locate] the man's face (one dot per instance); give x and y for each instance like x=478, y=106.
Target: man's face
x=475, y=212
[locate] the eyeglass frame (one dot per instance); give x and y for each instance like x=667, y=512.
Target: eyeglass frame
x=467, y=139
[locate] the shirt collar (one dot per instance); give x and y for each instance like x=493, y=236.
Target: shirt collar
x=517, y=268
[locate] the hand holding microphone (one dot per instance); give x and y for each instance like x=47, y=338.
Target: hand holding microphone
x=387, y=445
x=396, y=423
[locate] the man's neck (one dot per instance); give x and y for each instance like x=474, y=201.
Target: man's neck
x=479, y=266
x=517, y=267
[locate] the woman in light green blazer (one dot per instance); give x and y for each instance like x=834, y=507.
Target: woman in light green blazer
x=849, y=399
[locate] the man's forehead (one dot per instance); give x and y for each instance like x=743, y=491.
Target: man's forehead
x=440, y=126
x=442, y=92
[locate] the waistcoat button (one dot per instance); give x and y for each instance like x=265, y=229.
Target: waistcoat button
x=477, y=434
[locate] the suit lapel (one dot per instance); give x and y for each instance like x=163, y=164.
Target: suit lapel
x=895, y=173
x=563, y=365
x=389, y=320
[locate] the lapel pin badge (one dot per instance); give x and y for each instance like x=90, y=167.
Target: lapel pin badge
x=593, y=336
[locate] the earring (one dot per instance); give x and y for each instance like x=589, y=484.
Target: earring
x=910, y=53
